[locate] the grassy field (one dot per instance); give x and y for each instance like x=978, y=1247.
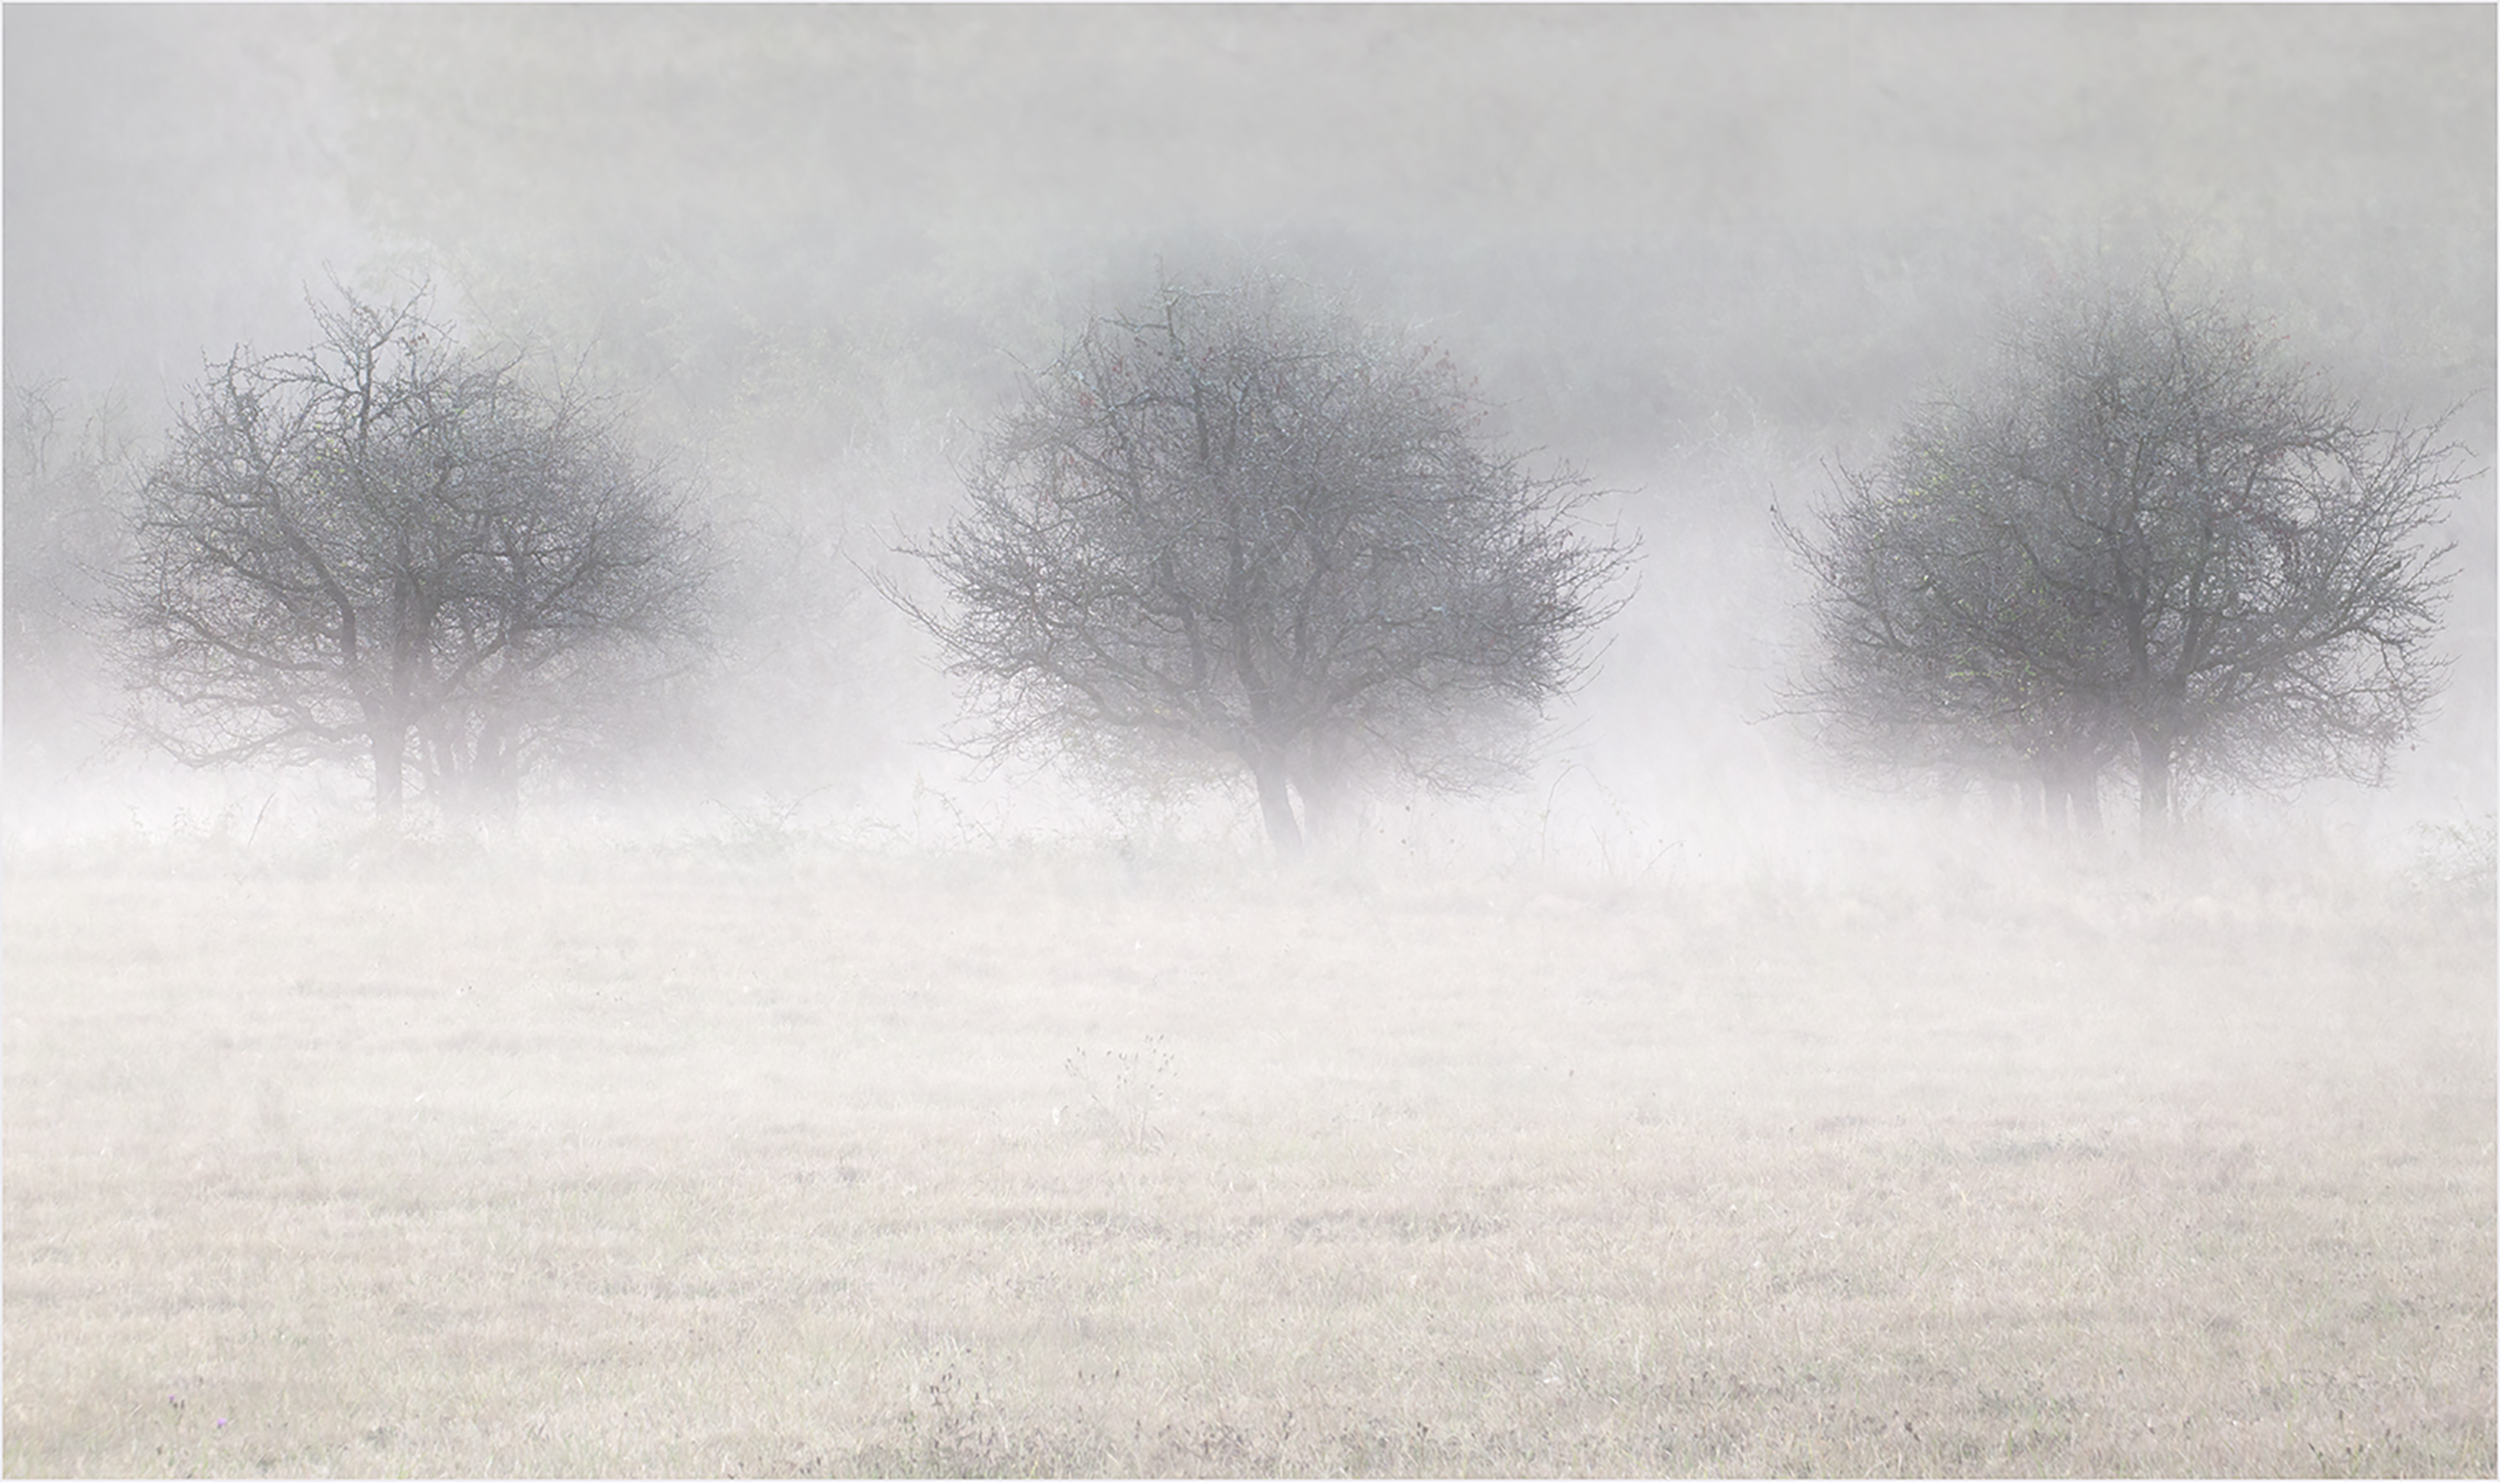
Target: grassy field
x=809, y=1161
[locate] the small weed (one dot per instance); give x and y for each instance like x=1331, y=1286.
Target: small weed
x=2463, y=854
x=945, y=1422
x=955, y=1430
x=1122, y=1088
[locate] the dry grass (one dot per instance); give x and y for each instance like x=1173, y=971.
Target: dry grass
x=684, y=1163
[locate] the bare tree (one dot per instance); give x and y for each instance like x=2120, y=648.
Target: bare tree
x=1932, y=620
x=387, y=546
x=1239, y=529
x=2151, y=536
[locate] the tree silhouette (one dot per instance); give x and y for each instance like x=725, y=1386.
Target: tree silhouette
x=387, y=546
x=2150, y=535
x=1240, y=530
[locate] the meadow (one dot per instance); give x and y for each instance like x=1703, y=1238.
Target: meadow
x=789, y=1158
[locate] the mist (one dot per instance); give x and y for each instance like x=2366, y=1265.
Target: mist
x=804, y=260
x=1704, y=255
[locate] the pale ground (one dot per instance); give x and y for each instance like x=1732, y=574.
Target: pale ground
x=794, y=1159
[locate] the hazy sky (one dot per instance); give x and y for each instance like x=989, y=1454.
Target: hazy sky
x=1677, y=196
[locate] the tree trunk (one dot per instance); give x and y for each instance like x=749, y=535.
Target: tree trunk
x=2072, y=790
x=481, y=775
x=2153, y=786
x=390, y=756
x=2087, y=793
x=1276, y=806
x=497, y=772
x=1323, y=804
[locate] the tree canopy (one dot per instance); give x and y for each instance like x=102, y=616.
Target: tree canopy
x=2149, y=536
x=1239, y=529
x=387, y=546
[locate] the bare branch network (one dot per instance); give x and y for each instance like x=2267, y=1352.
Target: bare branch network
x=1238, y=533
x=1238, y=529
x=2150, y=541
x=386, y=546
